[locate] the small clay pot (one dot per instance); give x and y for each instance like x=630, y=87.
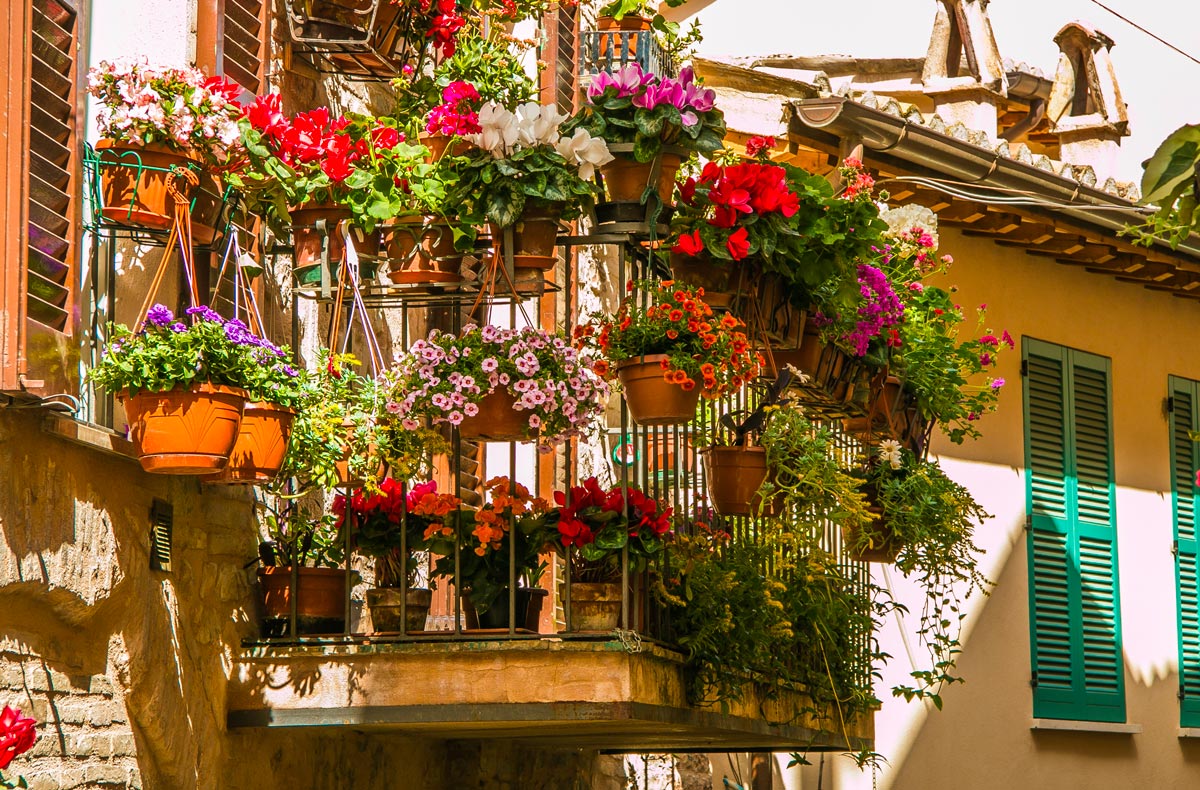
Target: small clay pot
x=652, y=400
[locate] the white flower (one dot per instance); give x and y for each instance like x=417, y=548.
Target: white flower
x=499, y=130
x=585, y=151
x=889, y=450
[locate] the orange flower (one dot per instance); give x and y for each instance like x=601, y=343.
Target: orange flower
x=664, y=363
x=693, y=325
x=690, y=305
x=666, y=284
x=707, y=370
x=625, y=322
x=688, y=385
x=709, y=382
x=601, y=368
x=675, y=315
x=728, y=321
x=680, y=377
x=672, y=334
x=669, y=377
x=680, y=296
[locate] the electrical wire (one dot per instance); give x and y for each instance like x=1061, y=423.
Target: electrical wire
x=961, y=189
x=1154, y=36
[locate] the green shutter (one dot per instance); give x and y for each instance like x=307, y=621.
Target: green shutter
x=1074, y=603
x=1183, y=418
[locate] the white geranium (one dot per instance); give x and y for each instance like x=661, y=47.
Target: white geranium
x=585, y=152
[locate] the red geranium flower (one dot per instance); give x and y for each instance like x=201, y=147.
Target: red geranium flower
x=17, y=735
x=738, y=244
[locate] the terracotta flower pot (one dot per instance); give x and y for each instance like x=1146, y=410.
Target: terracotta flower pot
x=320, y=599
x=261, y=444
x=595, y=607
x=134, y=179
x=345, y=478
x=626, y=24
x=733, y=476
x=385, y=605
x=184, y=431
x=528, y=606
x=421, y=251
x=439, y=144
x=308, y=240
x=885, y=549
x=652, y=400
x=497, y=420
x=625, y=178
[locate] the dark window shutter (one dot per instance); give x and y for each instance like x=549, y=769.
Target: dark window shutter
x=244, y=42
x=1185, y=460
x=1074, y=599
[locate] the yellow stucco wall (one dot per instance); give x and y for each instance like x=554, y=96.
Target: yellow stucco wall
x=983, y=738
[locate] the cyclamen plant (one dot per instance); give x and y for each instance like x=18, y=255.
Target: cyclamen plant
x=183, y=109
x=595, y=522
x=168, y=353
x=701, y=349
x=631, y=106
x=444, y=378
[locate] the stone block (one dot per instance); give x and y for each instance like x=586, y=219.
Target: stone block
x=123, y=745
x=100, y=684
x=104, y=714
x=106, y=775
x=73, y=712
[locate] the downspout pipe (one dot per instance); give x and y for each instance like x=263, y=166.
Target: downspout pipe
x=941, y=156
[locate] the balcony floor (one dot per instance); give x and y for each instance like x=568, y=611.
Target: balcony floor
x=556, y=692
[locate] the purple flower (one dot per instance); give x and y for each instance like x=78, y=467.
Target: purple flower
x=159, y=315
x=206, y=313
x=178, y=327
x=628, y=81
x=997, y=384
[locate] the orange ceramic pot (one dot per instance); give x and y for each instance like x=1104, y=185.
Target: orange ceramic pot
x=421, y=251
x=733, y=476
x=261, y=444
x=497, y=420
x=651, y=399
x=625, y=178
x=185, y=431
x=134, y=179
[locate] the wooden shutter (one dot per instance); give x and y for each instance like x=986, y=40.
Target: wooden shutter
x=43, y=197
x=233, y=39
x=1184, y=419
x=560, y=53
x=1078, y=670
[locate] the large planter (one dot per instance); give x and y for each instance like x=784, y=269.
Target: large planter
x=134, y=181
x=184, y=431
x=733, y=476
x=320, y=600
x=386, y=604
x=421, y=251
x=626, y=179
x=308, y=241
x=652, y=400
x=498, y=419
x=261, y=444
x=594, y=607
x=528, y=607
x=886, y=548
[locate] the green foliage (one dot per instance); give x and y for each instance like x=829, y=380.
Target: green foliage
x=1172, y=184
x=338, y=421
x=934, y=518
x=301, y=537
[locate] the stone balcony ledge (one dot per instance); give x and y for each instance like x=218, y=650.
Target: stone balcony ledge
x=552, y=691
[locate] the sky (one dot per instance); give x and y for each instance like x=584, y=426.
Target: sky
x=1161, y=87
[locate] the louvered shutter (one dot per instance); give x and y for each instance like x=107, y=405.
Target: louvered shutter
x=244, y=43
x=1184, y=418
x=42, y=116
x=560, y=53
x=1074, y=599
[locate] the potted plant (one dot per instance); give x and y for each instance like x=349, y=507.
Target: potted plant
x=669, y=352
x=164, y=132
x=274, y=392
x=649, y=123
x=338, y=435
x=523, y=176
x=183, y=382
x=488, y=572
x=595, y=528
x=303, y=554
x=495, y=384
x=924, y=522
x=389, y=525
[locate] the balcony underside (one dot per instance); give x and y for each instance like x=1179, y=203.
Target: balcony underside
x=549, y=691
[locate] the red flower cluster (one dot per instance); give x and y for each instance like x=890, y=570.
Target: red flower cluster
x=591, y=509
x=858, y=182
x=728, y=195
x=17, y=735
x=444, y=23
x=390, y=502
x=759, y=146
x=314, y=138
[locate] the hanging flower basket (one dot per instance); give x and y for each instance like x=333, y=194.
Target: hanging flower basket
x=421, y=251
x=652, y=400
x=733, y=476
x=320, y=599
x=134, y=181
x=497, y=420
x=884, y=548
x=184, y=431
x=261, y=444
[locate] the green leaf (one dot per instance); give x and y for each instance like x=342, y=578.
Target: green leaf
x=1172, y=165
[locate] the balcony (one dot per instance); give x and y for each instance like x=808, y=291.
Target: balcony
x=568, y=693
